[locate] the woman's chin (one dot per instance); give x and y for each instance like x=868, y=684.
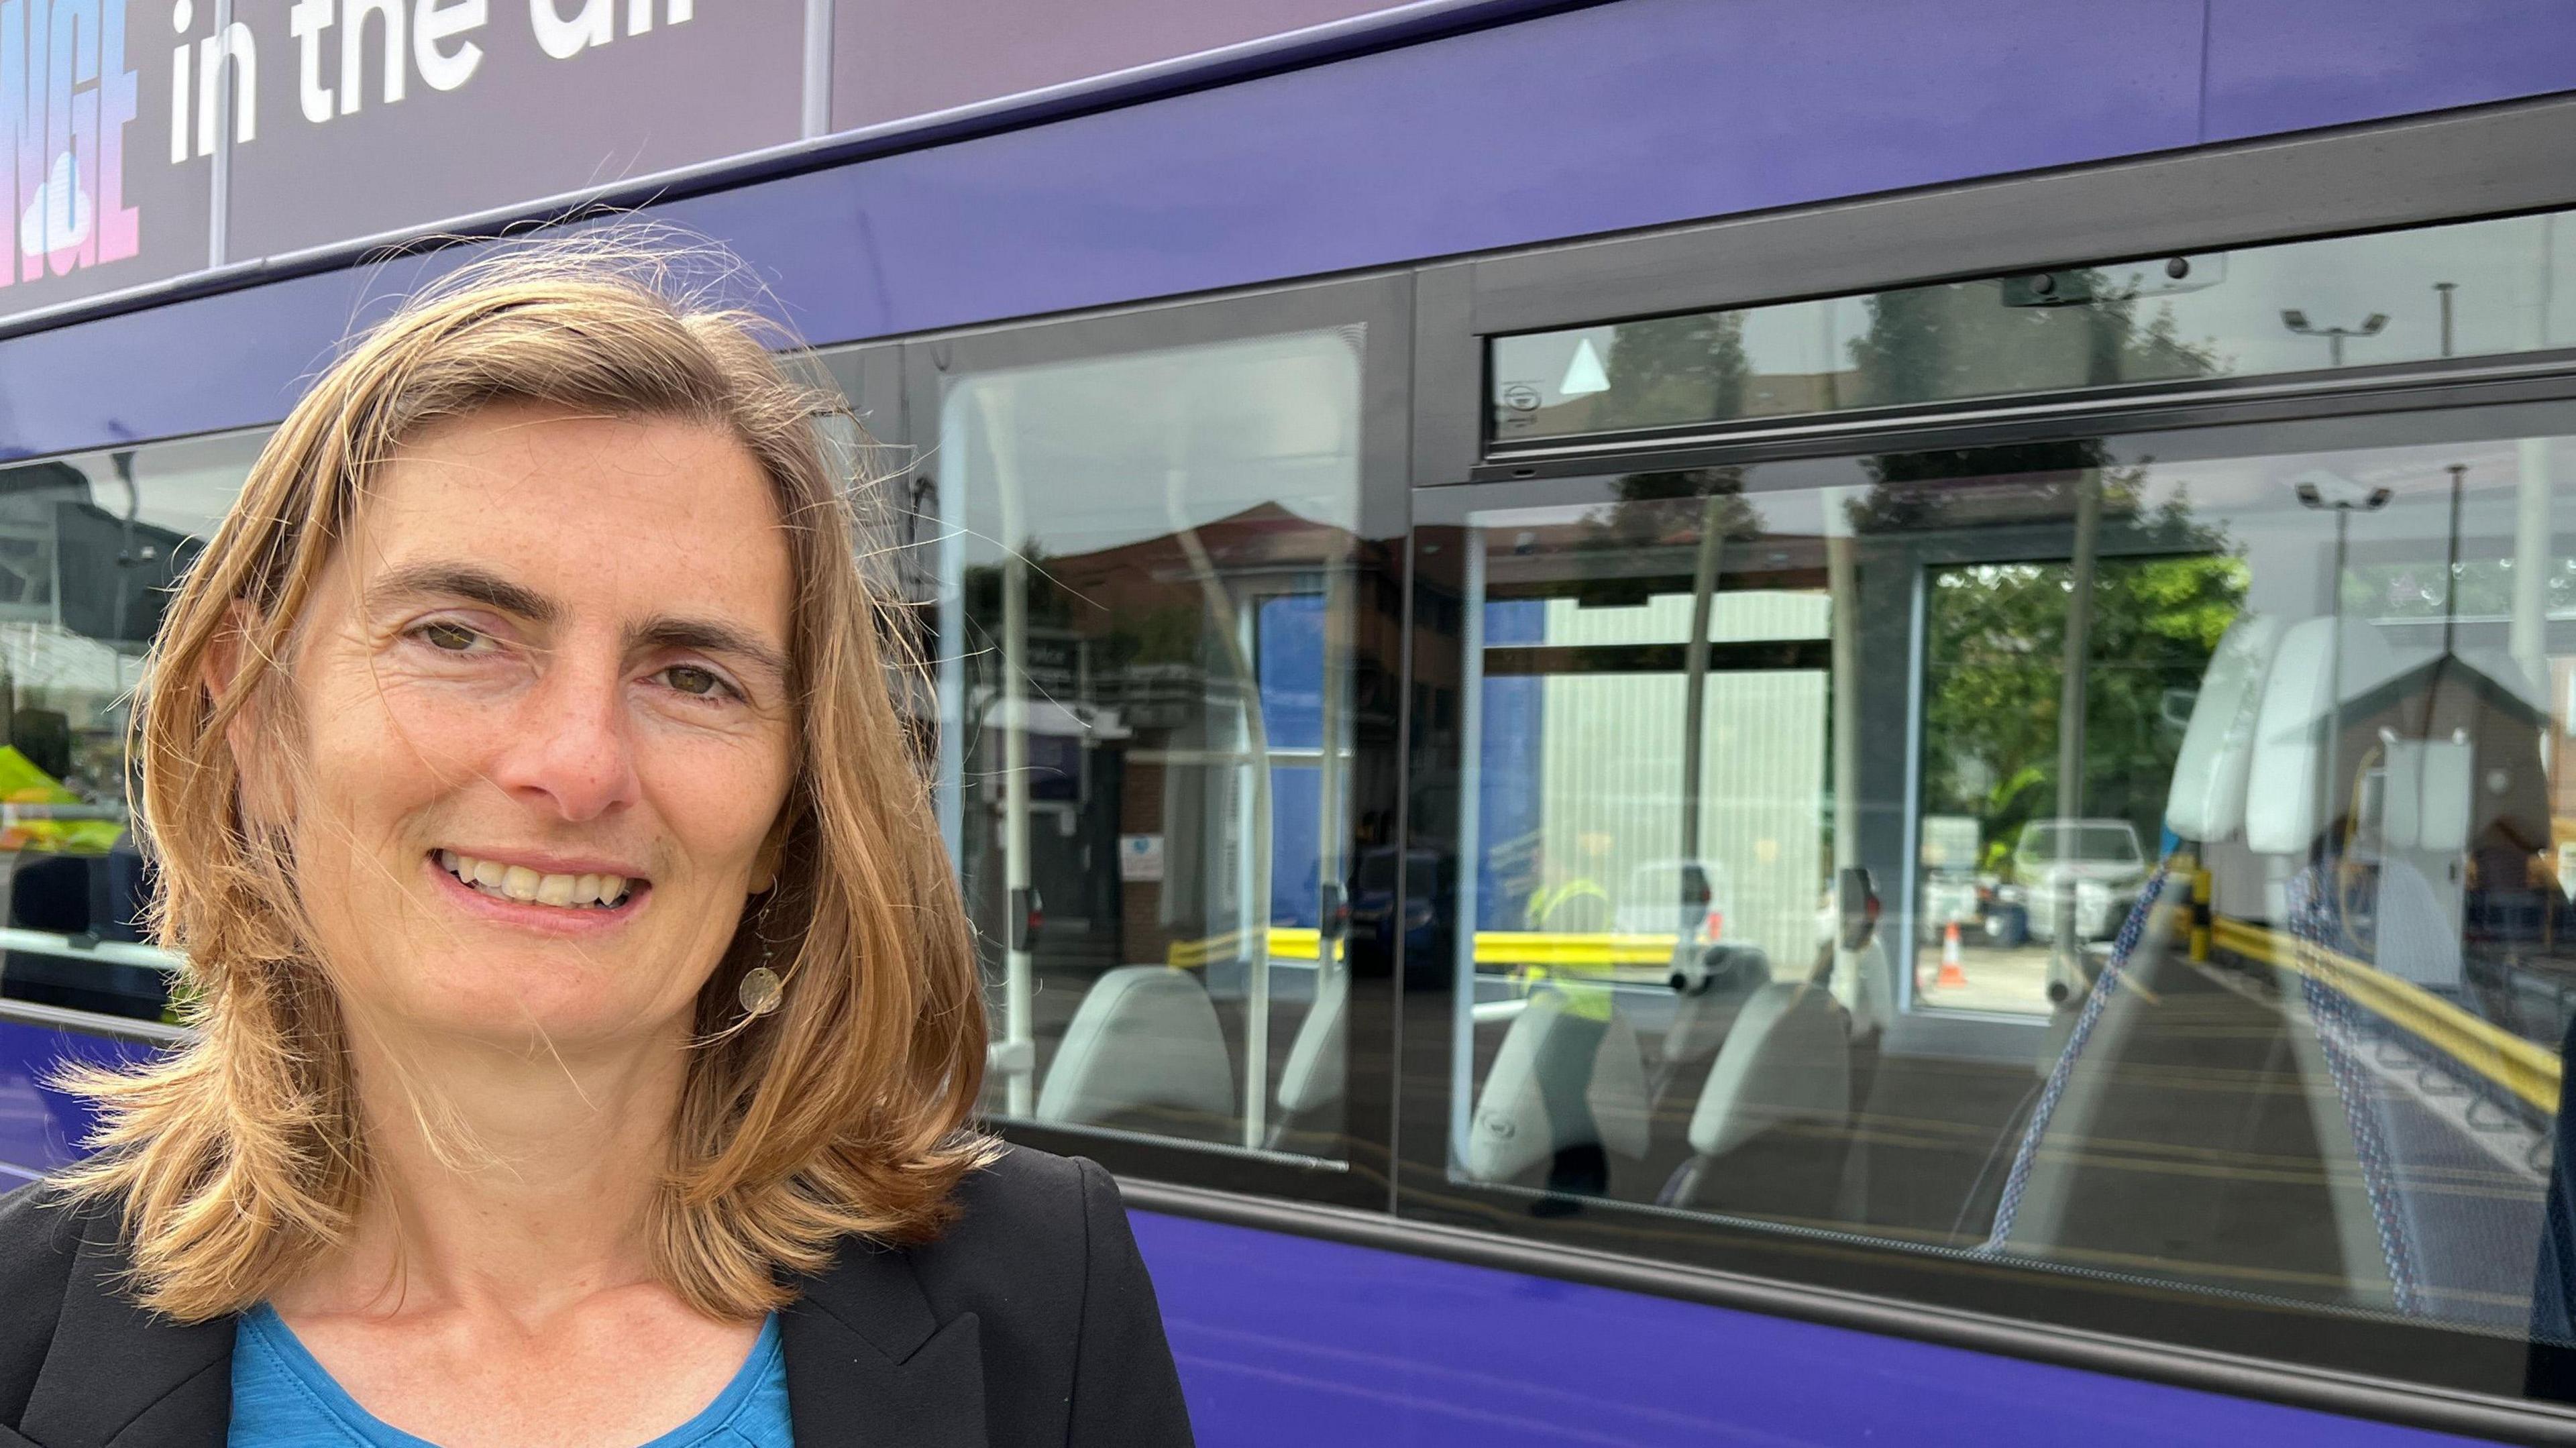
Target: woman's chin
x=518, y=1014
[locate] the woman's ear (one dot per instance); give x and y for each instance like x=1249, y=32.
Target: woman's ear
x=773, y=850
x=228, y=654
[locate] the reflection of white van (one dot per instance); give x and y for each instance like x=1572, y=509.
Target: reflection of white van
x=2100, y=858
x=1687, y=898
x=1949, y=858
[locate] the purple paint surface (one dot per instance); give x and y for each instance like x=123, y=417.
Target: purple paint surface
x=1289, y=1341
x=2286, y=65
x=1634, y=113
x=41, y=1128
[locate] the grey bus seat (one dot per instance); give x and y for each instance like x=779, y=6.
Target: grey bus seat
x=1145, y=1044
x=1788, y=1059
x=1772, y=1127
x=2248, y=772
x=1704, y=1012
x=1564, y=1083
x=2285, y=816
x=2206, y=800
x=1312, y=1083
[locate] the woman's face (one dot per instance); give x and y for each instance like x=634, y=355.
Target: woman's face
x=547, y=727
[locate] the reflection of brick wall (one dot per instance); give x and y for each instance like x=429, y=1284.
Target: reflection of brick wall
x=1142, y=940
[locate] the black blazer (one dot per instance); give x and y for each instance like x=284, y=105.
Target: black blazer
x=1031, y=1321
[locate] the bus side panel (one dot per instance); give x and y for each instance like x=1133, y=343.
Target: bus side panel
x=1293, y=1341
x=1614, y=116
x=41, y=1128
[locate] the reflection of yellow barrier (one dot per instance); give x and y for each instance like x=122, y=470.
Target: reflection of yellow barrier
x=1537, y=947
x=1493, y=947
x=2527, y=1069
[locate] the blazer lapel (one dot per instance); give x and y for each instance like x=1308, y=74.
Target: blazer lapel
x=870, y=1364
x=118, y=1376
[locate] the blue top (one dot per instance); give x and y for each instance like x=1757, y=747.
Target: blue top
x=282, y=1398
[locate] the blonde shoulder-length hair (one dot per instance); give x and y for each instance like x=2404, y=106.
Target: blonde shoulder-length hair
x=842, y=1114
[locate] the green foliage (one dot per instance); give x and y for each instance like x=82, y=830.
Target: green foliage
x=1997, y=638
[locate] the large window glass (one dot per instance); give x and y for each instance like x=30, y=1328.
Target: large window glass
x=2144, y=858
x=2476, y=288
x=90, y=547
x=1148, y=565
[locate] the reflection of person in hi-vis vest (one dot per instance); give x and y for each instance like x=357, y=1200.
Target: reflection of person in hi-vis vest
x=1576, y=915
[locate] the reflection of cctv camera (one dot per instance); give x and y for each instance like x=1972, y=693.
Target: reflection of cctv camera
x=2318, y=488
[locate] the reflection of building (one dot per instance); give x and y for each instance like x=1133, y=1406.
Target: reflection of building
x=1582, y=717
x=1155, y=684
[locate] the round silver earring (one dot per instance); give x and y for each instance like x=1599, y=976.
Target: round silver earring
x=761, y=988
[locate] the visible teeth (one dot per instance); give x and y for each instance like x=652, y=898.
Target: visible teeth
x=518, y=882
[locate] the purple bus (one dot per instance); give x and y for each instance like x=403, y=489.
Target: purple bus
x=1388, y=487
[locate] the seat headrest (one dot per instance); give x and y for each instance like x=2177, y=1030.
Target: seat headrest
x=1316, y=1073
x=1562, y=1079
x=1146, y=1036
x=1787, y=1059
x=2313, y=672
x=2207, y=799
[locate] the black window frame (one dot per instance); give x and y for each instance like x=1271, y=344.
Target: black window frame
x=2493, y=161
x=1426, y=457
x=1382, y=303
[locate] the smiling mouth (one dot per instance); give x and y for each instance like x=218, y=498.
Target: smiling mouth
x=524, y=886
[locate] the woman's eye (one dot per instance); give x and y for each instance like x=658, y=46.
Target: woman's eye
x=689, y=679
x=453, y=638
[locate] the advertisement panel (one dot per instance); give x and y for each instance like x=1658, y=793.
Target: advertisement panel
x=372, y=116
x=104, y=183
x=344, y=121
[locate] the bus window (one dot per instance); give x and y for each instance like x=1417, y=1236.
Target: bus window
x=2143, y=857
x=1147, y=568
x=90, y=547
x=2000, y=871
x=2167, y=320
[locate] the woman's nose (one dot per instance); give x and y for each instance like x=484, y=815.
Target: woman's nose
x=572, y=755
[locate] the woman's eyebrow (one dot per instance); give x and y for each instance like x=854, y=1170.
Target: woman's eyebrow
x=709, y=636
x=478, y=585
x=464, y=580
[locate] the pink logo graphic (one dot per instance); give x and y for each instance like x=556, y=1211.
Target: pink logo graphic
x=66, y=96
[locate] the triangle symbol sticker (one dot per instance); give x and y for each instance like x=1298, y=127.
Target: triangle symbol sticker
x=1584, y=375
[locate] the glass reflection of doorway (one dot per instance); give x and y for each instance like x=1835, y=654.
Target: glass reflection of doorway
x=2013, y=873
x=1647, y=816
x=1147, y=565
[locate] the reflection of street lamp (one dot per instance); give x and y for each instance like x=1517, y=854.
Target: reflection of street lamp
x=2444, y=290
x=2371, y=326
x=2323, y=490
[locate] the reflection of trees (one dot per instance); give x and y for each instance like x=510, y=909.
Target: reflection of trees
x=1645, y=518
x=1987, y=338
x=1995, y=637
x=1674, y=369
x=2165, y=591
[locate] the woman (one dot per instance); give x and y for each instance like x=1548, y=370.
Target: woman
x=587, y=1023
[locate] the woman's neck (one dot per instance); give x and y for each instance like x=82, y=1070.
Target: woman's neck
x=516, y=1182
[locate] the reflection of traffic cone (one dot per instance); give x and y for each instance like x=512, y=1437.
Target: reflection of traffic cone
x=1951, y=974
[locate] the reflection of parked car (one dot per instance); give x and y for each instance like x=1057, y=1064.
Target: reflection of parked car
x=2100, y=858
x=1424, y=934
x=1687, y=898
x=1951, y=897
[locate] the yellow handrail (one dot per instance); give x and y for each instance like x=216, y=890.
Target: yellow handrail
x=2528, y=1069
